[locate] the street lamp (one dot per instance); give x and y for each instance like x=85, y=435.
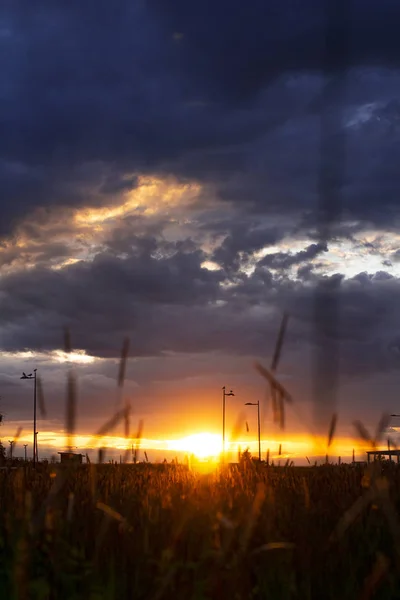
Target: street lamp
x=33, y=376
x=259, y=430
x=224, y=395
x=25, y=447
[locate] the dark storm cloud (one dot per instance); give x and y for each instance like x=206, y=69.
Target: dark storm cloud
x=91, y=92
x=125, y=292
x=282, y=260
x=236, y=52
x=41, y=254
x=243, y=239
x=172, y=304
x=366, y=334
x=368, y=314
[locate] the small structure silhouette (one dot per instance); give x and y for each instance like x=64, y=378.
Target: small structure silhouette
x=378, y=454
x=66, y=457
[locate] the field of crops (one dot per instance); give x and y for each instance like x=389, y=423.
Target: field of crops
x=162, y=531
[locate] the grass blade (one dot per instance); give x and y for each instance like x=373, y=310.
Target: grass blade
x=364, y=433
x=279, y=342
x=123, y=361
x=332, y=429
x=70, y=409
x=111, y=423
x=383, y=424
x=42, y=404
x=273, y=381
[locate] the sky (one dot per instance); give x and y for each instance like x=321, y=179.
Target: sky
x=182, y=174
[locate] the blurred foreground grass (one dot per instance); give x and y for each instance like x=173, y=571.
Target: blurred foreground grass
x=147, y=531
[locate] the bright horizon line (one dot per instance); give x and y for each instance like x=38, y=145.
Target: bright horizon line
x=202, y=444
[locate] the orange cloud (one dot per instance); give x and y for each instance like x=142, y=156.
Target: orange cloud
x=152, y=195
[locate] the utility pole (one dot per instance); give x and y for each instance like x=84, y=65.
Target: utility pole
x=259, y=427
x=25, y=447
x=259, y=432
x=34, y=420
x=224, y=395
x=34, y=377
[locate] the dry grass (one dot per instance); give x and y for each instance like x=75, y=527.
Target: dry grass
x=162, y=531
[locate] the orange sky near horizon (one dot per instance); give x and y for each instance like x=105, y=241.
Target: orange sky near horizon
x=203, y=445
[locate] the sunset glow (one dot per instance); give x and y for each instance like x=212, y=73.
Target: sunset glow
x=202, y=445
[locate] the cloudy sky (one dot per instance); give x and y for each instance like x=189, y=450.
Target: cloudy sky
x=182, y=173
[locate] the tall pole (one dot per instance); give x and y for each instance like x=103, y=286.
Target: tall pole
x=30, y=377
x=259, y=427
x=224, y=394
x=34, y=421
x=223, y=422
x=259, y=432
x=25, y=447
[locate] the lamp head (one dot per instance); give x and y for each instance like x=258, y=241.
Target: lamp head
x=25, y=376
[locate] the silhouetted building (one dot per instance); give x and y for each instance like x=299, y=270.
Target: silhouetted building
x=379, y=454
x=70, y=456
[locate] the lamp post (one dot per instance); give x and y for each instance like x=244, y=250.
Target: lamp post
x=224, y=395
x=33, y=376
x=259, y=430
x=25, y=447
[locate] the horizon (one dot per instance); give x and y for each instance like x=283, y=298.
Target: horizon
x=206, y=446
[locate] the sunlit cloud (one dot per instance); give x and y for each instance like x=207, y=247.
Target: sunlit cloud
x=152, y=195
x=368, y=251
x=76, y=356
x=79, y=357
x=65, y=263
x=210, y=265
x=65, y=236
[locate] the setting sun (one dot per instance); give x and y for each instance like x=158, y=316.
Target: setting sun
x=202, y=445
